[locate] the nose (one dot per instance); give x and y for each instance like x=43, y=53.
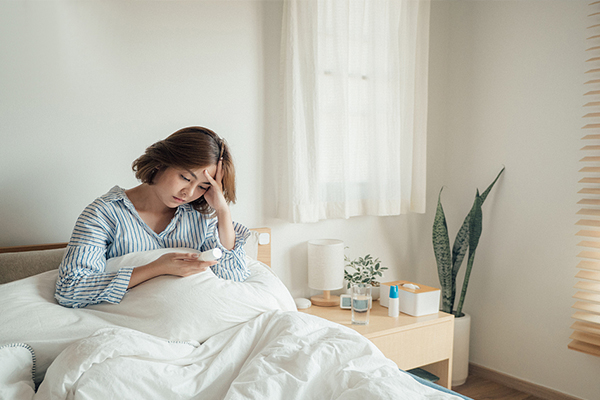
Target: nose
x=188, y=192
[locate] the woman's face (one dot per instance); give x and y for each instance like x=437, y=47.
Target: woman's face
x=177, y=186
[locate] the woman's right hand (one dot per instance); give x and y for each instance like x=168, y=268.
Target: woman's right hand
x=178, y=264
x=181, y=264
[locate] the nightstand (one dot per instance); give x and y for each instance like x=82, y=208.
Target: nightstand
x=411, y=342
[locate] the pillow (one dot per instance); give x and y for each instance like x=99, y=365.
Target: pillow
x=195, y=307
x=17, y=368
x=174, y=308
x=251, y=245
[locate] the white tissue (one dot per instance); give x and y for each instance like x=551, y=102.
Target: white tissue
x=410, y=286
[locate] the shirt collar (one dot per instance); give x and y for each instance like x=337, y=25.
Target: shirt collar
x=118, y=194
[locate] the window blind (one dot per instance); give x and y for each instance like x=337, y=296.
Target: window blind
x=586, y=328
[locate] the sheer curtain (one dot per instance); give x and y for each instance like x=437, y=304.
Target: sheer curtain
x=354, y=78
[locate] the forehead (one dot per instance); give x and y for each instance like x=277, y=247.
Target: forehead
x=199, y=172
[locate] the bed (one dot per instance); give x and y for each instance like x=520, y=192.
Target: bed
x=182, y=338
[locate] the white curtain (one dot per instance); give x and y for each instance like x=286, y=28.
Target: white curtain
x=354, y=78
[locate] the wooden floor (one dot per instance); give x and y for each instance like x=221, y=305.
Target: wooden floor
x=479, y=388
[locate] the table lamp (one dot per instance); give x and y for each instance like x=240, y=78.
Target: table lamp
x=325, y=270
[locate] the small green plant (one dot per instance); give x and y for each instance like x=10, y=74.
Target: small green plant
x=467, y=238
x=363, y=270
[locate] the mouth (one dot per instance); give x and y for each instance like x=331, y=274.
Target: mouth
x=177, y=199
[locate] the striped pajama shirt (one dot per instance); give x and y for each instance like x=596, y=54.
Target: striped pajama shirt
x=111, y=227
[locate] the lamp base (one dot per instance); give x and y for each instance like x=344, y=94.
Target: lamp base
x=325, y=300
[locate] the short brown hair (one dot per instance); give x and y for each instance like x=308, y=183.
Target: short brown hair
x=189, y=148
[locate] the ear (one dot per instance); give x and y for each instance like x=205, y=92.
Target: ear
x=156, y=173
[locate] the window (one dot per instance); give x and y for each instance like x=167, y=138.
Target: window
x=354, y=99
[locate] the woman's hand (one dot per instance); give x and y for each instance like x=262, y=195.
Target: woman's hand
x=178, y=264
x=181, y=264
x=214, y=195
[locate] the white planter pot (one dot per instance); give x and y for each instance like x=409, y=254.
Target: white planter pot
x=460, y=360
x=375, y=293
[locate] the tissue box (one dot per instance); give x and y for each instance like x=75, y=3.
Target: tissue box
x=416, y=302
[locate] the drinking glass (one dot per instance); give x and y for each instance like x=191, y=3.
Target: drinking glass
x=361, y=303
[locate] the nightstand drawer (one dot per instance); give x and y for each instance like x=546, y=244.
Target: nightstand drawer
x=413, y=348
x=410, y=342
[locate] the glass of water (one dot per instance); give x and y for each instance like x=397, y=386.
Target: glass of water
x=361, y=303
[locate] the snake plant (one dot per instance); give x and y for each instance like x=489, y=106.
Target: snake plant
x=467, y=238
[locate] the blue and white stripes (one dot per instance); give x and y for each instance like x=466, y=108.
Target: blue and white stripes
x=111, y=227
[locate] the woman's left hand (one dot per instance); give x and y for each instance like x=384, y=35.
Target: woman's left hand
x=214, y=195
x=215, y=198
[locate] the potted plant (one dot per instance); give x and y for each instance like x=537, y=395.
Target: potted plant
x=448, y=264
x=364, y=270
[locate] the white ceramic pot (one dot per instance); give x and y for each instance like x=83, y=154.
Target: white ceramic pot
x=460, y=360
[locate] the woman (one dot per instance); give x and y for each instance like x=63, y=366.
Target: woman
x=188, y=181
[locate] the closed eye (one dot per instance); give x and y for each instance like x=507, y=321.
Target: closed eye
x=184, y=178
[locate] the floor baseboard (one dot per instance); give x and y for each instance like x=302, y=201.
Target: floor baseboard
x=518, y=384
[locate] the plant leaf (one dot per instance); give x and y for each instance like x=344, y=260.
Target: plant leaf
x=475, y=228
x=461, y=242
x=441, y=248
x=487, y=191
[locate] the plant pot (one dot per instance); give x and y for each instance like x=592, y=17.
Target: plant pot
x=460, y=359
x=375, y=293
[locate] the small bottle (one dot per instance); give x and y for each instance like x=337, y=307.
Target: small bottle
x=210, y=255
x=394, y=302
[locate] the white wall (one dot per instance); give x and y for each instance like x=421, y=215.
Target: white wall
x=507, y=89
x=86, y=86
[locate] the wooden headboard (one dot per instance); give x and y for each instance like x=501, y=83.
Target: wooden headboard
x=264, y=254
x=264, y=249
x=33, y=247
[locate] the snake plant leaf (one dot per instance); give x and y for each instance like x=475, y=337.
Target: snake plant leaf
x=475, y=228
x=459, y=250
x=487, y=191
x=467, y=238
x=441, y=248
x=461, y=242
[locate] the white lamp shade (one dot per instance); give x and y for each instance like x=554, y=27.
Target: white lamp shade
x=326, y=264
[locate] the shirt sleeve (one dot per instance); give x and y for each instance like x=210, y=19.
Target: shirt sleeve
x=232, y=265
x=82, y=279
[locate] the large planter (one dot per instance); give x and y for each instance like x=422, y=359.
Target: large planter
x=460, y=359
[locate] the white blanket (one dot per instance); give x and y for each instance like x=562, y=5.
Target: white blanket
x=278, y=355
x=186, y=338
x=192, y=308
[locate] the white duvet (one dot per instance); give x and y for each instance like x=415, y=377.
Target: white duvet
x=188, y=338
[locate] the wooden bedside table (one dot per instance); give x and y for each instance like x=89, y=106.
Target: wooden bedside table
x=411, y=342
